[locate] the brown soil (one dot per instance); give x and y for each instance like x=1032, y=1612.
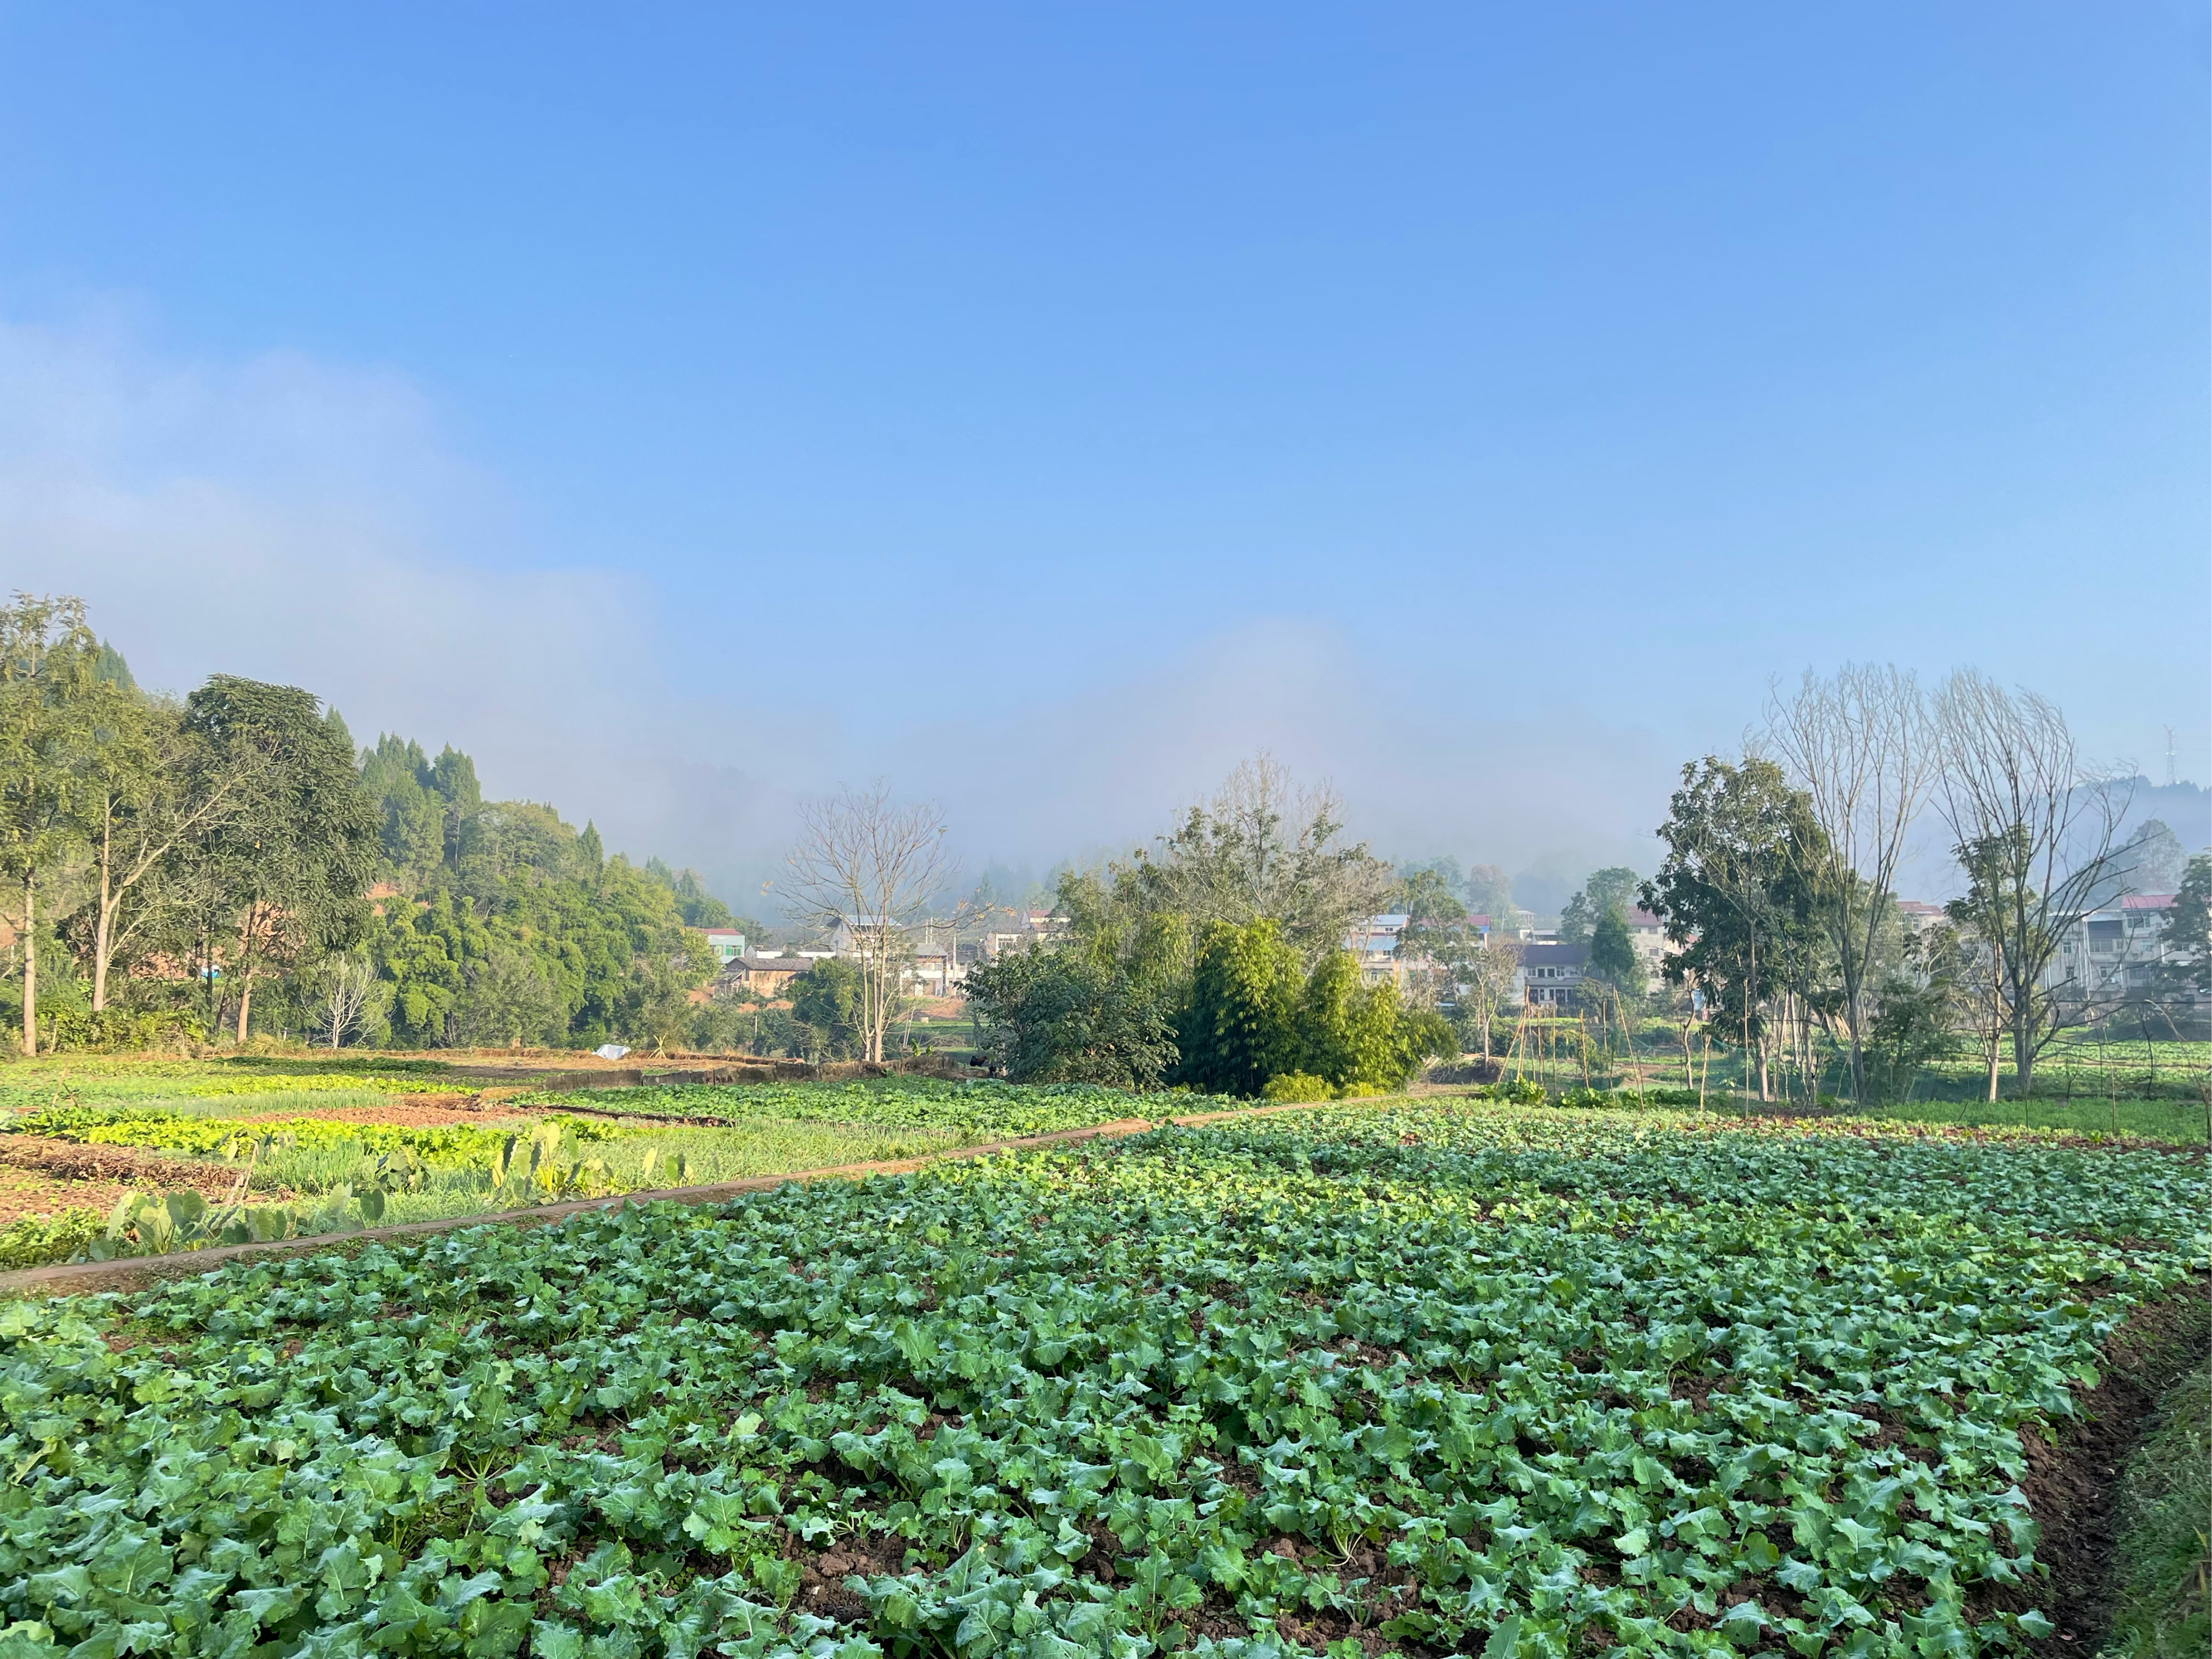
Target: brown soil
x=2071, y=1483
x=411, y=1111
x=39, y=1176
x=25, y=1193
x=822, y=1579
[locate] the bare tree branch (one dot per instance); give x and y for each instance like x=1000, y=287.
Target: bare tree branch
x=2035, y=829
x=1858, y=744
x=877, y=866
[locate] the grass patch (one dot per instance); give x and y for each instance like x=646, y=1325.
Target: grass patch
x=2180, y=1122
x=2162, y=1565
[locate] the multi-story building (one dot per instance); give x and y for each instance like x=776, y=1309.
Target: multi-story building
x=1552, y=975
x=2114, y=954
x=1647, y=937
x=1919, y=917
x=1374, y=946
x=1035, y=927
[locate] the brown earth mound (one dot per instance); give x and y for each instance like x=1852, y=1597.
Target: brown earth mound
x=94, y=1177
x=2071, y=1482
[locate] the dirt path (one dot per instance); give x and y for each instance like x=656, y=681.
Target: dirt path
x=71, y=1278
x=2071, y=1485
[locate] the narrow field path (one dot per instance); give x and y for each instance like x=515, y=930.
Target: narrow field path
x=74, y=1276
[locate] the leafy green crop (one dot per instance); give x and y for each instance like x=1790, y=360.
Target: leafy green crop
x=984, y=1109
x=34, y=1241
x=456, y=1146
x=1534, y=1382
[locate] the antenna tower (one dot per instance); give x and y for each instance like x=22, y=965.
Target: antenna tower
x=2169, y=758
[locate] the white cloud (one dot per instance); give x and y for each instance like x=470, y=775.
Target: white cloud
x=292, y=521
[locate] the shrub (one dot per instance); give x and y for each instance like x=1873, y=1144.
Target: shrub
x=1298, y=1086
x=1241, y=1028
x=34, y=1241
x=1057, y=1017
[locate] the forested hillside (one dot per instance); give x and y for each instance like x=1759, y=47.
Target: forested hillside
x=510, y=926
x=231, y=864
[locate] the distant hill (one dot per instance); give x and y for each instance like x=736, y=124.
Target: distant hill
x=2184, y=808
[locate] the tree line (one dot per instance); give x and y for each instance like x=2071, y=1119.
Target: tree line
x=230, y=864
x=1778, y=888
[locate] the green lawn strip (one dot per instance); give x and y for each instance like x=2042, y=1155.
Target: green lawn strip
x=2163, y=1519
x=24, y=1089
x=2180, y=1122
x=1424, y=1375
x=448, y=1171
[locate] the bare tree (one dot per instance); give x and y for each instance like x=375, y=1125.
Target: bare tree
x=1487, y=980
x=1858, y=744
x=1977, y=997
x=2034, y=829
x=349, y=983
x=874, y=866
x=1265, y=846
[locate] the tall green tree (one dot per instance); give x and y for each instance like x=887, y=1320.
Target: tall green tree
x=701, y=909
x=151, y=785
x=48, y=687
x=828, y=1002
x=1263, y=849
x=1061, y=1015
x=1735, y=896
x=1490, y=893
x=1241, y=1026
x=1613, y=953
x=296, y=854
x=2187, y=932
x=1611, y=889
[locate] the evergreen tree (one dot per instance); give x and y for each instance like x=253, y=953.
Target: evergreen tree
x=1241, y=1026
x=1613, y=954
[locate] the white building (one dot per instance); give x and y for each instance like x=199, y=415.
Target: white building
x=2114, y=954
x=1374, y=946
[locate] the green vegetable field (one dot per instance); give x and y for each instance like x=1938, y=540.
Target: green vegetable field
x=1421, y=1378
x=980, y=1109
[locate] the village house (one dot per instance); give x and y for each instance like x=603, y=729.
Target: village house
x=727, y=943
x=1373, y=945
x=2113, y=955
x=1552, y=975
x=765, y=973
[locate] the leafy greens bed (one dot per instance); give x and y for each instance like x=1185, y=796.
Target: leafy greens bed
x=152, y=1128
x=1536, y=1384
x=985, y=1108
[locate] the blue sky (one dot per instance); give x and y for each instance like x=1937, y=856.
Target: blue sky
x=685, y=409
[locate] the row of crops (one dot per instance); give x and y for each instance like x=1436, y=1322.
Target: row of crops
x=983, y=1109
x=303, y=1174
x=1350, y=1381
